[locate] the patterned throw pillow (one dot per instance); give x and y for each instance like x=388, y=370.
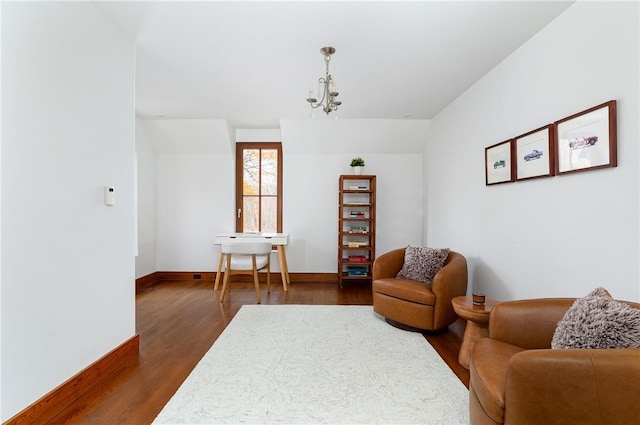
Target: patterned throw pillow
x=422, y=263
x=598, y=321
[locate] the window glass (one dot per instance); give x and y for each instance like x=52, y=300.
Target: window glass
x=269, y=214
x=269, y=172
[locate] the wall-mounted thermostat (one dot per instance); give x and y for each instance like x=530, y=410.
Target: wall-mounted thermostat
x=109, y=195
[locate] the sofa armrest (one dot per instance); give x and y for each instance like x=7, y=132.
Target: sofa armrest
x=449, y=282
x=527, y=323
x=388, y=265
x=573, y=386
x=451, y=279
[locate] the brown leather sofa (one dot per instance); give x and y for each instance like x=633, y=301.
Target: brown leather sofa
x=516, y=378
x=420, y=305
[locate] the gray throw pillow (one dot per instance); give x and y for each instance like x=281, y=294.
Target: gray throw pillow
x=598, y=321
x=422, y=263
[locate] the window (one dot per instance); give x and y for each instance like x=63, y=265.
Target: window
x=259, y=187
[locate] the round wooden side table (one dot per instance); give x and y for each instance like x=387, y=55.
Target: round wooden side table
x=477, y=317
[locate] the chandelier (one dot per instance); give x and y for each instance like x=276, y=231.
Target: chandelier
x=326, y=87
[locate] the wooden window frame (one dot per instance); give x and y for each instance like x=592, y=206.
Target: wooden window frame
x=240, y=147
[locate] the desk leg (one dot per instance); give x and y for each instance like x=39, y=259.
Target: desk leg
x=215, y=287
x=284, y=271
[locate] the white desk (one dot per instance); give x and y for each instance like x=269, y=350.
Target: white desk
x=279, y=240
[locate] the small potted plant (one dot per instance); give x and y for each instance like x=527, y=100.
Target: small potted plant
x=357, y=164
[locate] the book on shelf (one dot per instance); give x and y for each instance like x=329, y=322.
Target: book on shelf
x=357, y=229
x=359, y=187
x=356, y=244
x=357, y=258
x=356, y=271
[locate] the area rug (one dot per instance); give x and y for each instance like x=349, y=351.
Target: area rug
x=301, y=364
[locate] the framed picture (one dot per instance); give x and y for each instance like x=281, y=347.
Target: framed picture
x=498, y=162
x=534, y=154
x=587, y=140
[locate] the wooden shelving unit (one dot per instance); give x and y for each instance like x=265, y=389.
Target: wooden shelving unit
x=356, y=227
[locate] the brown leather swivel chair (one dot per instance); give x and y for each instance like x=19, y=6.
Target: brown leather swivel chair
x=516, y=378
x=420, y=305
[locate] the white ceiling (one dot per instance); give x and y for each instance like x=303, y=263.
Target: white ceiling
x=251, y=63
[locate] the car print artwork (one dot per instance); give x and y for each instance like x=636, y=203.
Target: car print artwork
x=499, y=164
x=583, y=142
x=535, y=154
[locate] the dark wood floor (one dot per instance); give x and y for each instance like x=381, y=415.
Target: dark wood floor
x=178, y=321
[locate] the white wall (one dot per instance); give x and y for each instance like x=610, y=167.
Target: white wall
x=195, y=196
x=258, y=135
x=558, y=236
x=147, y=206
x=190, y=193
x=67, y=259
x=195, y=202
x=1, y=416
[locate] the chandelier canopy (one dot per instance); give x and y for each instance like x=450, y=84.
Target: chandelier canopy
x=327, y=91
